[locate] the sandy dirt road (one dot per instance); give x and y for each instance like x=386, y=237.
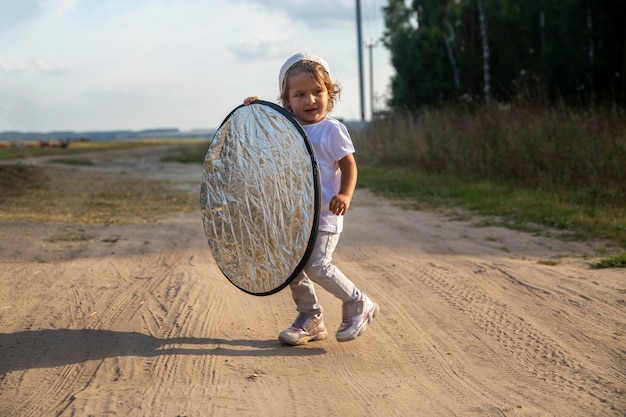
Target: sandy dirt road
x=139, y=321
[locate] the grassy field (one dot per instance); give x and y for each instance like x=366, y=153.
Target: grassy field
x=563, y=212
x=529, y=210
x=32, y=149
x=73, y=196
x=530, y=168
x=29, y=193
x=530, y=147
x=567, y=211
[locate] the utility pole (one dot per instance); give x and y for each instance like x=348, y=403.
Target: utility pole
x=370, y=46
x=360, y=48
x=485, y=42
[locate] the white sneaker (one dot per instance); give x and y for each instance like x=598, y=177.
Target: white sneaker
x=304, y=329
x=356, y=316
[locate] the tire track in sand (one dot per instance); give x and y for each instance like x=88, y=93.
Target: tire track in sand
x=62, y=385
x=178, y=372
x=538, y=357
x=440, y=349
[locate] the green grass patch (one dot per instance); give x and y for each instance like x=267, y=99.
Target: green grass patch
x=16, y=180
x=548, y=262
x=189, y=154
x=70, y=235
x=567, y=213
x=618, y=261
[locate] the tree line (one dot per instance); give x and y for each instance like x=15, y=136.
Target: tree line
x=481, y=51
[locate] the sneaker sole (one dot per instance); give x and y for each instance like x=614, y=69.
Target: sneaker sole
x=363, y=327
x=303, y=340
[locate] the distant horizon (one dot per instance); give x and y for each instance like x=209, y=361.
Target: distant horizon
x=145, y=130
x=157, y=129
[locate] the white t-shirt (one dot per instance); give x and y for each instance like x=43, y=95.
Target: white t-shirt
x=331, y=142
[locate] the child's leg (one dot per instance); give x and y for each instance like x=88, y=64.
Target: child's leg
x=309, y=324
x=303, y=293
x=321, y=271
x=357, y=310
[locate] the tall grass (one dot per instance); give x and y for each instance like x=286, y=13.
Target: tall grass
x=527, y=165
x=535, y=147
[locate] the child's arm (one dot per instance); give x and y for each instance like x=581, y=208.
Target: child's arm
x=341, y=202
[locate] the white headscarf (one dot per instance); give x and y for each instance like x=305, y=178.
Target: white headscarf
x=302, y=56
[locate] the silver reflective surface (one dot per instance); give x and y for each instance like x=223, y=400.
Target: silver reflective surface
x=258, y=198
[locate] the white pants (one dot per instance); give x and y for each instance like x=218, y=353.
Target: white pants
x=319, y=270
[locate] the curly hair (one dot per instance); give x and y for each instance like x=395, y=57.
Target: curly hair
x=318, y=74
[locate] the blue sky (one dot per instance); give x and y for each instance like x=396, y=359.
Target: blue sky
x=142, y=64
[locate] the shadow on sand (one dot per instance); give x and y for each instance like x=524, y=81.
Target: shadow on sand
x=57, y=347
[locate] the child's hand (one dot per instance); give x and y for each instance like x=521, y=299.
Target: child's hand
x=249, y=100
x=340, y=204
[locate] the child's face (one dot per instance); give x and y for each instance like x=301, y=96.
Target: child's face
x=308, y=99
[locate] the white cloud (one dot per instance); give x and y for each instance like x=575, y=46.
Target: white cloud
x=143, y=63
x=320, y=13
x=258, y=48
x=9, y=69
x=51, y=69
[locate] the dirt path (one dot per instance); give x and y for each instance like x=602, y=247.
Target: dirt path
x=138, y=321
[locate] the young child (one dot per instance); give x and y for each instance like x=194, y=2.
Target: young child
x=309, y=94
